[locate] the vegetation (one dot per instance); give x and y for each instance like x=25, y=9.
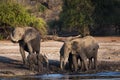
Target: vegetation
x=40, y=25
x=77, y=14
x=81, y=16
x=13, y=14
x=107, y=12
x=84, y=15
x=42, y=8
x=1, y=37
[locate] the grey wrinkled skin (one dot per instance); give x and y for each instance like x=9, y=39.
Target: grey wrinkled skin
x=28, y=39
x=32, y=61
x=80, y=48
x=86, y=48
x=64, y=54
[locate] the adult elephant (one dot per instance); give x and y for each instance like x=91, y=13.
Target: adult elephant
x=66, y=50
x=85, y=48
x=64, y=54
x=28, y=39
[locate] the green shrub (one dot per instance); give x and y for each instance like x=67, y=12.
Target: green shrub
x=13, y=15
x=40, y=25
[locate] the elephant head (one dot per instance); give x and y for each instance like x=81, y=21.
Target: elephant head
x=64, y=53
x=17, y=34
x=67, y=50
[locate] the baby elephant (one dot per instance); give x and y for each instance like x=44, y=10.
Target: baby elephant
x=42, y=61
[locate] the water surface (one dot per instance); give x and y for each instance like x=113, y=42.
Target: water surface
x=95, y=76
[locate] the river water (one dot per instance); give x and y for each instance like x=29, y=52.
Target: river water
x=95, y=76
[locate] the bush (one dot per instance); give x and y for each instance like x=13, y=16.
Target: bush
x=13, y=15
x=40, y=25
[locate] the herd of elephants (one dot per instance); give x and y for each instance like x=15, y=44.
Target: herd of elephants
x=80, y=53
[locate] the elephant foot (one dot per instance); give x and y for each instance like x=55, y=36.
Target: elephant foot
x=25, y=62
x=32, y=69
x=40, y=67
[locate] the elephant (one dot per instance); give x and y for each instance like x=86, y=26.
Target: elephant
x=79, y=48
x=32, y=61
x=64, y=54
x=65, y=51
x=86, y=48
x=77, y=59
x=29, y=40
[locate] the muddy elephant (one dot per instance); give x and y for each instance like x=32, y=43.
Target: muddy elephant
x=85, y=48
x=32, y=62
x=28, y=39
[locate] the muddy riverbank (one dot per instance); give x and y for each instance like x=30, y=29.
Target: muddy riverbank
x=11, y=61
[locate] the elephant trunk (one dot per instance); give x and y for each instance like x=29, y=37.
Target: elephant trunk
x=65, y=61
x=13, y=39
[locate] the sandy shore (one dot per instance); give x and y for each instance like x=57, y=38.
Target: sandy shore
x=11, y=61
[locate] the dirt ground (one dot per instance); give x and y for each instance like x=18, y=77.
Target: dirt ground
x=11, y=61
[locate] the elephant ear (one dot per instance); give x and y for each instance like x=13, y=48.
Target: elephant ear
x=30, y=33
x=75, y=45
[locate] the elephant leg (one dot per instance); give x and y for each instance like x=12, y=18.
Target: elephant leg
x=30, y=49
x=65, y=61
x=82, y=65
x=83, y=60
x=61, y=62
x=23, y=55
x=40, y=66
x=70, y=65
x=39, y=62
x=32, y=67
x=95, y=63
x=90, y=63
x=39, y=59
x=85, y=64
x=75, y=64
x=70, y=62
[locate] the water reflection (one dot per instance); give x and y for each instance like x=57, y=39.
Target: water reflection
x=103, y=74
x=96, y=76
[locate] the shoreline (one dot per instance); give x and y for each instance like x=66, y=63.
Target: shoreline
x=11, y=62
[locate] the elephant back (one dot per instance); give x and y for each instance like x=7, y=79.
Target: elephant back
x=90, y=46
x=30, y=34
